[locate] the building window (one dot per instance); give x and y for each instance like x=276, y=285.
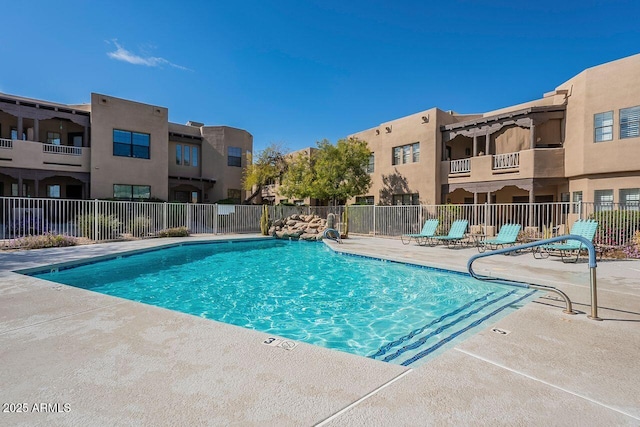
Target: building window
x=630, y=122
x=53, y=138
x=14, y=190
x=603, y=200
x=406, y=199
x=371, y=164
x=603, y=126
x=630, y=199
x=409, y=153
x=187, y=155
x=234, y=156
x=178, y=154
x=364, y=200
x=194, y=156
x=53, y=191
x=131, y=192
x=131, y=144
x=577, y=199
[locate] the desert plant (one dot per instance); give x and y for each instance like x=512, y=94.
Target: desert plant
x=264, y=220
x=174, y=232
x=633, y=249
x=47, y=240
x=108, y=226
x=345, y=221
x=139, y=226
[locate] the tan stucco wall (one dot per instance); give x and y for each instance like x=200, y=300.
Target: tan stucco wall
x=608, y=87
x=109, y=113
x=588, y=185
x=216, y=140
x=410, y=178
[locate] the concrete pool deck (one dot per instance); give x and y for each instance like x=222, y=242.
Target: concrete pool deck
x=117, y=362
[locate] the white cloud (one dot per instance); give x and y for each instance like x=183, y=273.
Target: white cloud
x=122, y=54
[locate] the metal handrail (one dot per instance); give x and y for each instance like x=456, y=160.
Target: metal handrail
x=568, y=309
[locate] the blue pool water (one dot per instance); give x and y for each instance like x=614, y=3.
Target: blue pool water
x=304, y=291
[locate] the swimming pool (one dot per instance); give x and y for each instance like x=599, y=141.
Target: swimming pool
x=305, y=291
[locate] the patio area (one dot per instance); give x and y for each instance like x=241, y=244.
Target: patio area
x=116, y=362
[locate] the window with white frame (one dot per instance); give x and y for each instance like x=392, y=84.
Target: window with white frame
x=364, y=200
x=577, y=199
x=53, y=138
x=371, y=164
x=630, y=198
x=603, y=200
x=53, y=191
x=409, y=153
x=406, y=199
x=603, y=126
x=630, y=122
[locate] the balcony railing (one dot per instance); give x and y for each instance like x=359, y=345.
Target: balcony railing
x=460, y=166
x=62, y=149
x=506, y=161
x=6, y=143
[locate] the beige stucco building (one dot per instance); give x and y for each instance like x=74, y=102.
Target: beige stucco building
x=115, y=148
x=580, y=141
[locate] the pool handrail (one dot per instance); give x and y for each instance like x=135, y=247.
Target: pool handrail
x=568, y=309
x=332, y=234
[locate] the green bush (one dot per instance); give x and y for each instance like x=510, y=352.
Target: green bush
x=108, y=226
x=43, y=241
x=616, y=228
x=174, y=232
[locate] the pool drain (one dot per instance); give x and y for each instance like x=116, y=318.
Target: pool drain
x=500, y=331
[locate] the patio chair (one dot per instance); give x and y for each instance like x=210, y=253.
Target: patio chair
x=456, y=234
x=507, y=235
x=428, y=231
x=584, y=228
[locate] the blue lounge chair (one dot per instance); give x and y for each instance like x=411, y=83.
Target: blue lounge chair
x=428, y=231
x=456, y=233
x=507, y=235
x=584, y=228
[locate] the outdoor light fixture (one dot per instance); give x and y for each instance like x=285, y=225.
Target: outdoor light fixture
x=388, y=129
x=425, y=119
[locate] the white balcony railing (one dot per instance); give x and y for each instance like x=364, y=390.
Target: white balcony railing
x=506, y=161
x=460, y=166
x=62, y=149
x=6, y=143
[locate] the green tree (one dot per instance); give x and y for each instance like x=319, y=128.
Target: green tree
x=333, y=172
x=268, y=167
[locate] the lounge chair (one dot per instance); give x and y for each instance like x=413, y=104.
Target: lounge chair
x=507, y=236
x=428, y=231
x=584, y=228
x=456, y=233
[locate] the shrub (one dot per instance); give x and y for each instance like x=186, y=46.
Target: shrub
x=616, y=228
x=633, y=250
x=108, y=226
x=139, y=226
x=174, y=232
x=43, y=241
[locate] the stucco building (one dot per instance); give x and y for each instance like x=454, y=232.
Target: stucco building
x=580, y=141
x=115, y=148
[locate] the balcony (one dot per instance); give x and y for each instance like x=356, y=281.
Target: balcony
x=536, y=163
x=37, y=155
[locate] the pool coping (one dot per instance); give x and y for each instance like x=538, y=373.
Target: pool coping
x=348, y=389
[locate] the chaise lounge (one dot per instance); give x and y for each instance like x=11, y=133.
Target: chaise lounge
x=584, y=228
x=456, y=234
x=428, y=231
x=507, y=235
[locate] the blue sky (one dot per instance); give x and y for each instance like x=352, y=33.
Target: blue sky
x=295, y=72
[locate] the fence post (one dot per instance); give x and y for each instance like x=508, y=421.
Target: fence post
x=95, y=219
x=188, y=216
x=580, y=209
x=215, y=219
x=486, y=215
x=374, y=220
x=164, y=216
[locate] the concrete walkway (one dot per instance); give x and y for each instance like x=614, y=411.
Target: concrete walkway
x=93, y=359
